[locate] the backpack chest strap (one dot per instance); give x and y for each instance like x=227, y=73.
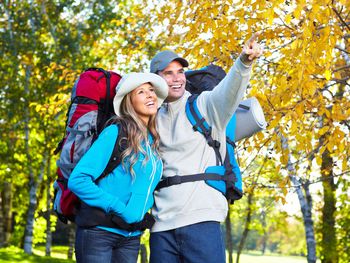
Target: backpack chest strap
x=179, y=179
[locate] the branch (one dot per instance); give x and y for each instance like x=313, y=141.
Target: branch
x=252, y=161
x=301, y=184
x=346, y=123
x=341, y=68
x=292, y=29
x=341, y=49
x=341, y=19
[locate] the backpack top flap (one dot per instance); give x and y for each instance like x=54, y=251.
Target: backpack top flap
x=204, y=79
x=92, y=84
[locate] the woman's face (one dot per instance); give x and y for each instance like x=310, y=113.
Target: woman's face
x=145, y=101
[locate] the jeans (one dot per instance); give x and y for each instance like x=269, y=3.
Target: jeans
x=94, y=245
x=197, y=243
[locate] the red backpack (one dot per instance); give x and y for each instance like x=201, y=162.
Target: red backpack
x=91, y=106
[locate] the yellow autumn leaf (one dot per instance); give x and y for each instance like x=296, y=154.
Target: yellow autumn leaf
x=341, y=147
x=323, y=130
x=284, y=158
x=344, y=166
x=277, y=198
x=329, y=146
x=284, y=190
x=300, y=109
x=318, y=160
x=327, y=74
x=297, y=11
x=38, y=108
x=283, y=200
x=271, y=15
x=288, y=18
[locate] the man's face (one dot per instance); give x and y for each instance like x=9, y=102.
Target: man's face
x=174, y=75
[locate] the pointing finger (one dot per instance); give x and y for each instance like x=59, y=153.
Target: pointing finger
x=253, y=38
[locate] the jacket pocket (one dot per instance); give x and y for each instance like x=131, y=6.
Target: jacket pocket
x=134, y=208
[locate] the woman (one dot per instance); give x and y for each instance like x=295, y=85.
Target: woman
x=127, y=192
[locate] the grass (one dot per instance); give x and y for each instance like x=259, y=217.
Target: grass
x=14, y=254
x=56, y=252
x=249, y=258
x=253, y=257
x=59, y=254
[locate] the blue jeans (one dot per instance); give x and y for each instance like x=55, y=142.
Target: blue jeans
x=97, y=245
x=197, y=243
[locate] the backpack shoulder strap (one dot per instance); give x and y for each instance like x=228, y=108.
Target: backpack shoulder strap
x=200, y=124
x=234, y=186
x=119, y=146
x=230, y=131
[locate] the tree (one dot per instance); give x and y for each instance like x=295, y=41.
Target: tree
x=297, y=79
x=305, y=201
x=44, y=47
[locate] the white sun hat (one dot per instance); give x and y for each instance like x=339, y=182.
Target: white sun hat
x=133, y=80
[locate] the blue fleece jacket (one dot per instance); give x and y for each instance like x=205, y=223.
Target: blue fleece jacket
x=118, y=192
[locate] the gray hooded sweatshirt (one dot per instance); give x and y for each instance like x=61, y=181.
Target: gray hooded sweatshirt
x=185, y=152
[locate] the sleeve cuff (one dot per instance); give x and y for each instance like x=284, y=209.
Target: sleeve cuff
x=241, y=65
x=116, y=207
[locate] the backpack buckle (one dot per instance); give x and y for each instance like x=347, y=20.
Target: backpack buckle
x=214, y=144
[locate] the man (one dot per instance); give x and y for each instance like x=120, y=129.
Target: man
x=188, y=215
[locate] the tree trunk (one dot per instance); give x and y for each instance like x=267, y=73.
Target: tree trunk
x=246, y=226
x=6, y=207
x=305, y=202
x=329, y=253
x=48, y=210
x=71, y=240
x=143, y=254
x=28, y=234
x=265, y=235
x=229, y=242
x=2, y=225
x=329, y=242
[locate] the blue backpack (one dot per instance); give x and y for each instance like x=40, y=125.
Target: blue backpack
x=226, y=175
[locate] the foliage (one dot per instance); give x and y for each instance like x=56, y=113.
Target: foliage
x=302, y=82
x=298, y=77
x=45, y=45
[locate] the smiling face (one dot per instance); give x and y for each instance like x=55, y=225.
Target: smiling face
x=174, y=75
x=144, y=101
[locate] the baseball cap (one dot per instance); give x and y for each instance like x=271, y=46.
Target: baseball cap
x=161, y=60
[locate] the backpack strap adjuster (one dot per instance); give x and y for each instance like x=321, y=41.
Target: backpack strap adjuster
x=214, y=143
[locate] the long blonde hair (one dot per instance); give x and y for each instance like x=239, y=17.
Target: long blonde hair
x=136, y=132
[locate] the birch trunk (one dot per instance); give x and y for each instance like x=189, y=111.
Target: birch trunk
x=246, y=226
x=71, y=240
x=229, y=242
x=33, y=182
x=265, y=235
x=48, y=243
x=143, y=254
x=305, y=202
x=28, y=234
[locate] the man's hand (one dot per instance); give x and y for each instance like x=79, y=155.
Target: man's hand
x=251, y=50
